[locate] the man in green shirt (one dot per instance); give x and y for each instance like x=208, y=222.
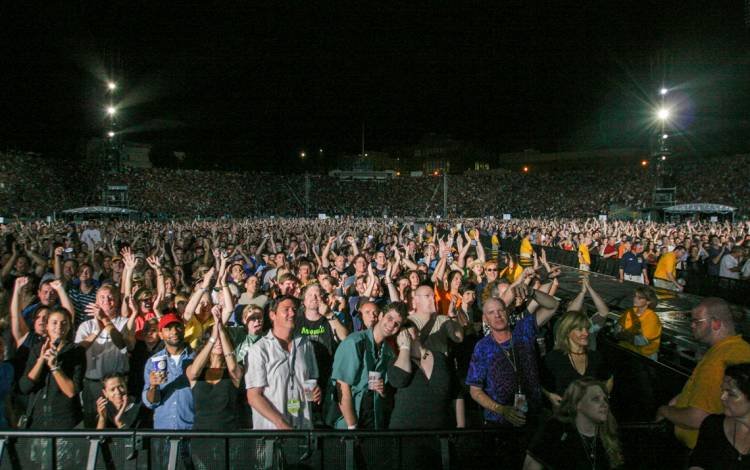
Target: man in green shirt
x=359, y=373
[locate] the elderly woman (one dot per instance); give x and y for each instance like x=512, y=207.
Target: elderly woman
x=571, y=359
x=724, y=440
x=583, y=434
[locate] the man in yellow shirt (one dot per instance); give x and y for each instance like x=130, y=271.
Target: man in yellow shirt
x=584, y=258
x=712, y=324
x=640, y=327
x=525, y=251
x=665, y=276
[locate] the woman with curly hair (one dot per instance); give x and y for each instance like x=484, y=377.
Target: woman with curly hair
x=583, y=433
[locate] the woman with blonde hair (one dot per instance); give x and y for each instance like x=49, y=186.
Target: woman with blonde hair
x=583, y=433
x=571, y=359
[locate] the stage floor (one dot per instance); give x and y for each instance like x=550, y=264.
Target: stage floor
x=673, y=310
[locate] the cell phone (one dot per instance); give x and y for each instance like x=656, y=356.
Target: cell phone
x=68, y=250
x=473, y=243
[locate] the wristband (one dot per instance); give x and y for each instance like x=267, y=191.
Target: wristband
x=54, y=369
x=352, y=427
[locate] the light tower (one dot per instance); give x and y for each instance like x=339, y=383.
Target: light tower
x=665, y=190
x=113, y=142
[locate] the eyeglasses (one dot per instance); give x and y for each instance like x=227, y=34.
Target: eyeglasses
x=491, y=269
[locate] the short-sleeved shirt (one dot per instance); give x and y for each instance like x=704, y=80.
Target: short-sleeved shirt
x=703, y=388
x=632, y=264
x=727, y=263
x=443, y=300
x=650, y=330
x=491, y=368
x=281, y=374
x=355, y=358
x=583, y=252
x=511, y=274
x=102, y=356
x=667, y=264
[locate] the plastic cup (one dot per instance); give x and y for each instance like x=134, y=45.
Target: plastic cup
x=308, y=387
x=372, y=378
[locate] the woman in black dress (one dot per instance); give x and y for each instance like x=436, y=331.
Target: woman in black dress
x=214, y=378
x=425, y=386
x=53, y=377
x=582, y=435
x=724, y=440
x=571, y=359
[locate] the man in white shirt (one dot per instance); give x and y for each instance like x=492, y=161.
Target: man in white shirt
x=729, y=266
x=105, y=342
x=278, y=365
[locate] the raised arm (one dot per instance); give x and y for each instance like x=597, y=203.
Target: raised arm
x=18, y=327
x=602, y=310
x=197, y=294
x=195, y=369
x=63, y=296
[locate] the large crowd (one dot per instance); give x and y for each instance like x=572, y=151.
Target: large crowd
x=571, y=192
x=360, y=324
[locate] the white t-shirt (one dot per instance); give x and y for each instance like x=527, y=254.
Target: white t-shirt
x=746, y=269
x=103, y=357
x=728, y=262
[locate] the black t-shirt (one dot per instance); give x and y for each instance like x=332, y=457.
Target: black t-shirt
x=320, y=334
x=714, y=450
x=559, y=446
x=558, y=372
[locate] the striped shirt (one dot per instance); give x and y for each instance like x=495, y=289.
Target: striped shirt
x=80, y=300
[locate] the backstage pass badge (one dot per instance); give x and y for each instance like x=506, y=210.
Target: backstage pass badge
x=293, y=403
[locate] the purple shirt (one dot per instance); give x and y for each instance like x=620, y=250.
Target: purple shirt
x=492, y=368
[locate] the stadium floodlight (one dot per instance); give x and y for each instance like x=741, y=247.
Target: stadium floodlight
x=665, y=136
x=111, y=110
x=302, y=155
x=663, y=91
x=662, y=114
x=111, y=86
x=110, y=134
x=525, y=169
x=644, y=162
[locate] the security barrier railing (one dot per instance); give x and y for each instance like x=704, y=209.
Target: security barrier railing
x=645, y=446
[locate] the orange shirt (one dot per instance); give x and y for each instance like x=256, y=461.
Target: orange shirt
x=443, y=301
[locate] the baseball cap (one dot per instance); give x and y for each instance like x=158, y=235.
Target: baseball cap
x=167, y=320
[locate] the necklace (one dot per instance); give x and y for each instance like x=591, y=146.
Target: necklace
x=734, y=442
x=575, y=367
x=589, y=448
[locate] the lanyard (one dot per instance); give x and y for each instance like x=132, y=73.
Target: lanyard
x=290, y=364
x=512, y=360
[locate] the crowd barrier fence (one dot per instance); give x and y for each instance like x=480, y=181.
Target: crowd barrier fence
x=645, y=445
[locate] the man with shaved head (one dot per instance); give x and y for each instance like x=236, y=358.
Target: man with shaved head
x=712, y=324
x=503, y=376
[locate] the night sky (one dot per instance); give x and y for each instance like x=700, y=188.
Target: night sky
x=251, y=82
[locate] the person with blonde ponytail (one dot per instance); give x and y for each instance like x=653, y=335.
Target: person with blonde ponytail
x=583, y=433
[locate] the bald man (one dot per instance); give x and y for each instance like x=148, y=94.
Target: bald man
x=443, y=328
